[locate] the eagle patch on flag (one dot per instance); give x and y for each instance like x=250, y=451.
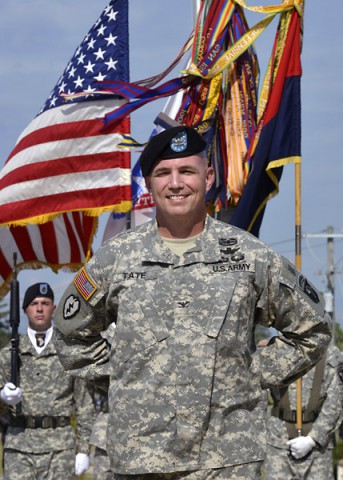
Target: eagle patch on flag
x=84, y=284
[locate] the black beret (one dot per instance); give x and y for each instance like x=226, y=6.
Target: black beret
x=37, y=290
x=174, y=142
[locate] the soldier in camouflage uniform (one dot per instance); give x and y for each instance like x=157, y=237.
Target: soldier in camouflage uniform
x=40, y=441
x=186, y=292
x=309, y=456
x=101, y=461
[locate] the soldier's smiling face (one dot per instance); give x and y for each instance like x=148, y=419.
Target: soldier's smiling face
x=179, y=186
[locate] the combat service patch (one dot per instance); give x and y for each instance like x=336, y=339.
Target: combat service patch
x=71, y=307
x=307, y=288
x=228, y=242
x=84, y=284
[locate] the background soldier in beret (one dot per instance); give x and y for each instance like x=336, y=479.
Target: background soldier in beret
x=309, y=456
x=40, y=442
x=186, y=292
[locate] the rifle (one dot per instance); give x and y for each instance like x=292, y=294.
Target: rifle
x=14, y=322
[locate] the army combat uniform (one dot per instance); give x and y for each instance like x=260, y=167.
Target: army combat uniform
x=101, y=462
x=43, y=426
x=185, y=388
x=319, y=422
x=98, y=438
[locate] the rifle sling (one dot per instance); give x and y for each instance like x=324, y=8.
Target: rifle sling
x=284, y=412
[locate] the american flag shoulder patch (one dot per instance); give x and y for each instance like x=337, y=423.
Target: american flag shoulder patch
x=84, y=284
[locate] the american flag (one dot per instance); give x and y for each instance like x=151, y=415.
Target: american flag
x=66, y=165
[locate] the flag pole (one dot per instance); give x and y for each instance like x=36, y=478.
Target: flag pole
x=196, y=8
x=299, y=415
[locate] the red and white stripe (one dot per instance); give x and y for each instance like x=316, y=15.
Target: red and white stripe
x=65, y=161
x=63, y=242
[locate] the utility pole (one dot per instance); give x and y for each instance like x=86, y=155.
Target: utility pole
x=331, y=270
x=329, y=295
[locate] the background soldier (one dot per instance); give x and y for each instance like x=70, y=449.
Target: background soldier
x=98, y=438
x=309, y=456
x=186, y=292
x=40, y=440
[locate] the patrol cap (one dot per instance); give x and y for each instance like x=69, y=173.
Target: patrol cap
x=37, y=290
x=174, y=142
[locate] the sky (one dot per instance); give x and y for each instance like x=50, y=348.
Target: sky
x=37, y=39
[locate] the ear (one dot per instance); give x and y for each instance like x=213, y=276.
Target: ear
x=209, y=178
x=147, y=183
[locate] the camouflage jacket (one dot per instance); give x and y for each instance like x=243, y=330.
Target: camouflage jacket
x=47, y=390
x=330, y=405
x=98, y=436
x=185, y=388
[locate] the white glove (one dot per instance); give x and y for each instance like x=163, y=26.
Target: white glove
x=11, y=394
x=81, y=463
x=300, y=446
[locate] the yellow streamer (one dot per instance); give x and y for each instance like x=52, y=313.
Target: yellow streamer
x=272, y=70
x=213, y=96
x=233, y=52
x=286, y=5
x=249, y=38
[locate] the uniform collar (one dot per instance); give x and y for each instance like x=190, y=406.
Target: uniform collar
x=26, y=346
x=206, y=248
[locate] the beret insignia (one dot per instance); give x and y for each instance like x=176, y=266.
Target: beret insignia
x=179, y=142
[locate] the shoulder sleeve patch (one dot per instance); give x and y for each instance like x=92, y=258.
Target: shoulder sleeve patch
x=71, y=307
x=288, y=273
x=84, y=284
x=308, y=289
x=296, y=280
